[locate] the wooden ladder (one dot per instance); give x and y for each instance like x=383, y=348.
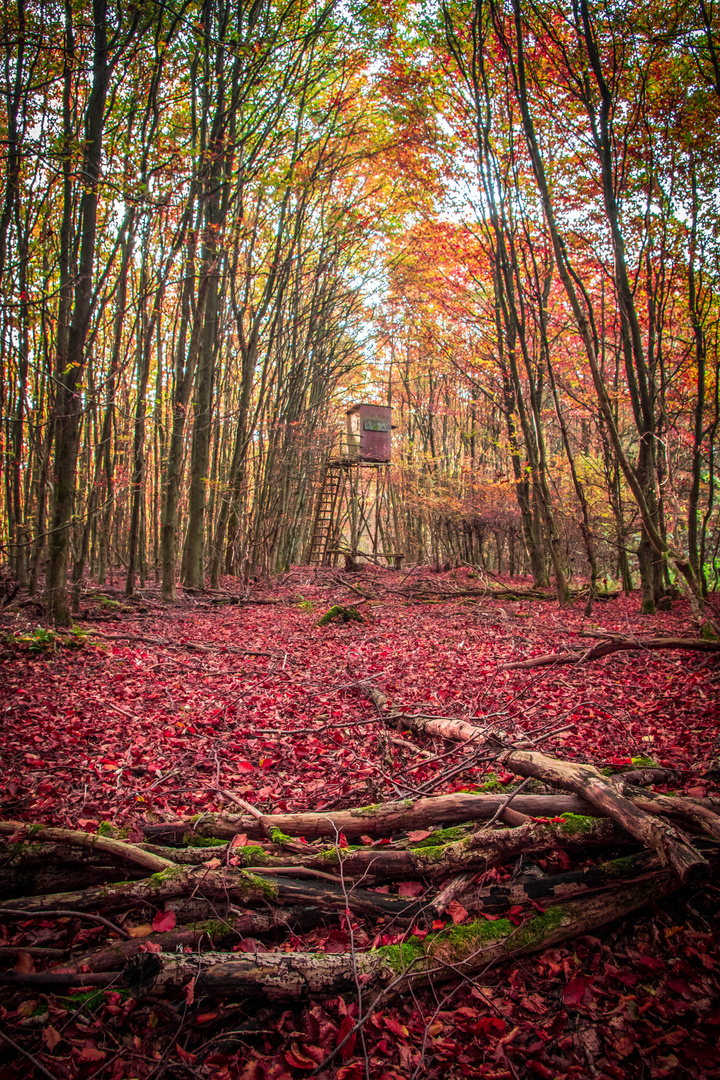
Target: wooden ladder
x=324, y=526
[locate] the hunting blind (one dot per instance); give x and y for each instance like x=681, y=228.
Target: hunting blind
x=354, y=500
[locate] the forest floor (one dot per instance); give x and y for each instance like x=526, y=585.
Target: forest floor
x=159, y=711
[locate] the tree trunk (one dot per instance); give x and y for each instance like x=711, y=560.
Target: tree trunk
x=68, y=407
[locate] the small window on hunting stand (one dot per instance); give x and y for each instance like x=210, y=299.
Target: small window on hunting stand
x=355, y=513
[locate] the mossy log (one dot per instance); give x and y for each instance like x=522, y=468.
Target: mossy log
x=553, y=888
x=217, y=928
x=340, y=614
x=389, y=970
x=480, y=850
x=672, y=846
x=126, y=852
x=379, y=819
x=461, y=950
x=225, y=884
x=208, y=933
x=257, y=884
x=37, y=880
x=496, y=900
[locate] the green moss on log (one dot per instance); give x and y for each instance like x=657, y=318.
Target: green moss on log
x=404, y=956
x=493, y=784
x=193, y=840
x=342, y=614
x=280, y=838
x=168, y=874
x=253, y=855
x=369, y=811
x=577, y=823
x=535, y=929
x=624, y=864
x=257, y=881
x=443, y=836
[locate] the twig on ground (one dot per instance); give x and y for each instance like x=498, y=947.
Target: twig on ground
x=61, y=913
x=498, y=813
x=26, y=1054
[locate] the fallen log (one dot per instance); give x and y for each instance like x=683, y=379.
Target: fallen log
x=551, y=888
x=480, y=850
x=217, y=930
x=210, y=932
x=231, y=924
x=126, y=852
x=379, y=819
x=38, y=880
x=48, y=980
x=611, y=644
x=389, y=970
x=586, y=782
x=686, y=811
x=225, y=884
x=672, y=847
x=447, y=727
x=259, y=882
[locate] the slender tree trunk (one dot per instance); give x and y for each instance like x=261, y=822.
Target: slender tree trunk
x=185, y=372
x=137, y=494
x=698, y=420
x=69, y=378
x=686, y=575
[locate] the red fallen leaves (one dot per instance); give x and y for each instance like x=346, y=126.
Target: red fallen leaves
x=415, y=835
x=185, y=1057
x=457, y=912
x=24, y=964
x=89, y=1052
x=411, y=888
x=345, y=1030
x=351, y=1072
x=397, y=1028
x=702, y=1053
x=164, y=921
x=304, y=1057
x=667, y=699
x=51, y=1037
x=179, y=725
x=250, y=945
x=650, y=963
x=538, y=1069
x=575, y=991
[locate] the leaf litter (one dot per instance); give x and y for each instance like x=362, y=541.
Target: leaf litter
x=138, y=726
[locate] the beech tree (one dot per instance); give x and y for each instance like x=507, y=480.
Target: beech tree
x=110, y=43
x=222, y=224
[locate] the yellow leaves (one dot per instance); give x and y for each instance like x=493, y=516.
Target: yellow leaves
x=140, y=931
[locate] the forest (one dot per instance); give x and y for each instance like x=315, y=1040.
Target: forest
x=326, y=761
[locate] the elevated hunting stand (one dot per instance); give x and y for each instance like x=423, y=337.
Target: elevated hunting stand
x=355, y=501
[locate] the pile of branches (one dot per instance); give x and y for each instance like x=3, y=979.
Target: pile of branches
x=223, y=907
x=171, y=906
